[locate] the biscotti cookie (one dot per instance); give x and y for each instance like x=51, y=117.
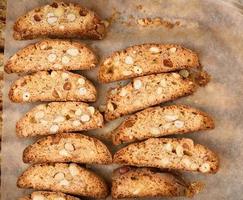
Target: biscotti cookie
x=169, y=153
x=52, y=86
x=3, y=10
x=160, y=121
x=67, y=147
x=145, y=59
x=146, y=91
x=67, y=178
x=43, y=195
x=130, y=182
x=52, y=55
x=59, y=117
x=59, y=19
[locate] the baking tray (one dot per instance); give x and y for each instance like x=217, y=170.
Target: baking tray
x=213, y=28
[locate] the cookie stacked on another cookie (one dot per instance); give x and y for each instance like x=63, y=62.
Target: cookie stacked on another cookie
x=160, y=73
x=46, y=67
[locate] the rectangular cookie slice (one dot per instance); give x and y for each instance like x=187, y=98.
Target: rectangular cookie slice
x=59, y=19
x=161, y=121
x=52, y=55
x=52, y=86
x=145, y=59
x=66, y=178
x=67, y=147
x=59, y=117
x=169, y=153
x=44, y=195
x=146, y=91
x=130, y=182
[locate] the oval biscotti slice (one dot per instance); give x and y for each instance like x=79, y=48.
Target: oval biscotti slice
x=169, y=153
x=145, y=59
x=67, y=178
x=52, y=86
x=44, y=195
x=130, y=182
x=59, y=117
x=146, y=91
x=67, y=147
x=51, y=55
x=160, y=121
x=59, y=19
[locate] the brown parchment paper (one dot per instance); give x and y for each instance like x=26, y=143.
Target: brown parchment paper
x=213, y=28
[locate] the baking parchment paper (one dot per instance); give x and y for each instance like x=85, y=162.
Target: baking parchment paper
x=213, y=28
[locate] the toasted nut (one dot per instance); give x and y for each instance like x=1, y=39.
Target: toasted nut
x=162, y=83
x=54, y=129
x=64, y=182
x=26, y=96
x=65, y=111
x=205, y=167
x=74, y=171
x=137, y=84
x=168, y=147
x=82, y=91
x=154, y=50
x=155, y=131
x=176, y=75
x=50, y=15
x=171, y=117
x=57, y=66
x=65, y=76
x=172, y=50
x=52, y=57
x=137, y=70
x=168, y=63
x=67, y=86
x=85, y=118
x=91, y=109
x=59, y=176
x=69, y=147
x=110, y=107
x=37, y=18
x=159, y=90
x=184, y=73
x=164, y=161
x=76, y=123
x=73, y=52
x=127, y=73
x=166, y=126
x=186, y=162
x=59, y=119
x=71, y=17
x=65, y=60
x=78, y=112
x=38, y=197
x=39, y=115
x=59, y=12
x=123, y=170
x=179, y=124
x=129, y=60
x=81, y=81
x=63, y=152
x=179, y=151
x=102, y=108
x=52, y=20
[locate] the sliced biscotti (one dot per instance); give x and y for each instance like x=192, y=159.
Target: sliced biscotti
x=52, y=86
x=59, y=19
x=67, y=147
x=169, y=153
x=130, y=182
x=146, y=91
x=160, y=121
x=44, y=195
x=145, y=59
x=52, y=55
x=59, y=117
x=67, y=178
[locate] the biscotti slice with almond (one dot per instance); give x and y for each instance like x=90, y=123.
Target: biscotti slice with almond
x=44, y=195
x=145, y=59
x=59, y=20
x=59, y=117
x=52, y=55
x=66, y=178
x=161, y=121
x=130, y=182
x=67, y=147
x=169, y=153
x=146, y=91
x=52, y=86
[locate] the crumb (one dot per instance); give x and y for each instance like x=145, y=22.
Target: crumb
x=158, y=22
